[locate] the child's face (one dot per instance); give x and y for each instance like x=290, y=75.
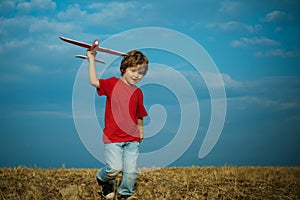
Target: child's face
x=133, y=75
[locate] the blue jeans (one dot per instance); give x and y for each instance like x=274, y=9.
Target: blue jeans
x=121, y=156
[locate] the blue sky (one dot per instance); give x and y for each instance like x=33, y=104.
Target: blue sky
x=253, y=44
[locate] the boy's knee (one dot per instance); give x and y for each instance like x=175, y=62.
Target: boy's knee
x=112, y=173
x=108, y=173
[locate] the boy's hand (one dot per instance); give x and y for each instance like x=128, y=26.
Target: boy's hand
x=91, y=54
x=141, y=136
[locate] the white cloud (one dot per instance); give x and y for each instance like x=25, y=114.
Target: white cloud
x=24, y=27
x=276, y=93
x=32, y=69
x=113, y=9
x=208, y=79
x=9, y=78
x=73, y=12
x=255, y=41
x=230, y=83
x=112, y=12
x=232, y=27
x=47, y=113
x=274, y=16
x=45, y=26
x=11, y=27
x=246, y=102
x=37, y=33
x=6, y=6
x=230, y=6
x=22, y=112
x=36, y=5
x=278, y=53
x=15, y=44
x=49, y=110
x=105, y=14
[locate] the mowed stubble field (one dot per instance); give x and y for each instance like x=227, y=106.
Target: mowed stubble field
x=165, y=183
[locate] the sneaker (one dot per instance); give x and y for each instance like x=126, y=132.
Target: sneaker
x=110, y=196
x=107, y=189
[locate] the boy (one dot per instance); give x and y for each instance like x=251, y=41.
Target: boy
x=123, y=130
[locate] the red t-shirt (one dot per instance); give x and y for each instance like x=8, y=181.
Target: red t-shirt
x=124, y=106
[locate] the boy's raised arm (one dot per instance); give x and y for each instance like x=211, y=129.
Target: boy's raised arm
x=92, y=70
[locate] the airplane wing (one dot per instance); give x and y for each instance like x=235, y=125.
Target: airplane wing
x=88, y=46
x=81, y=44
x=111, y=51
x=85, y=57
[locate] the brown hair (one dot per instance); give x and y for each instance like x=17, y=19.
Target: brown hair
x=132, y=59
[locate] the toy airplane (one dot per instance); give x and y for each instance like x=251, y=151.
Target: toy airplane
x=92, y=47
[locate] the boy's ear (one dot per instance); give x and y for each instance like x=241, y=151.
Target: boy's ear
x=122, y=71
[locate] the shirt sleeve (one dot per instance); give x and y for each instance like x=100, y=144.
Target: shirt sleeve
x=105, y=86
x=100, y=91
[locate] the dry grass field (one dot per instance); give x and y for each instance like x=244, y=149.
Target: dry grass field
x=165, y=183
